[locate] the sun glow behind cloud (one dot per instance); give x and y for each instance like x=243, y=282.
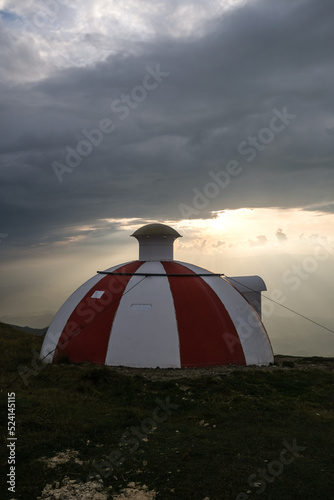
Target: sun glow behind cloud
x=264, y=241
x=250, y=230
x=245, y=230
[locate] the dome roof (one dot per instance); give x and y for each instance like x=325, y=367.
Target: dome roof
x=152, y=314
x=156, y=229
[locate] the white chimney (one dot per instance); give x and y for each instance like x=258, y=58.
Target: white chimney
x=156, y=242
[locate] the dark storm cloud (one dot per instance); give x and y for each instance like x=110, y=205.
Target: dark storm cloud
x=221, y=90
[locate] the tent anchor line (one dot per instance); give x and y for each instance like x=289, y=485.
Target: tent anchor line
x=285, y=307
x=231, y=279
x=161, y=274
x=73, y=335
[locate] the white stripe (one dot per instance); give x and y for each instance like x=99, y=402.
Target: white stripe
x=253, y=337
x=144, y=336
x=59, y=321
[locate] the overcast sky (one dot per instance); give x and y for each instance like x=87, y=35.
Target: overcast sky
x=115, y=114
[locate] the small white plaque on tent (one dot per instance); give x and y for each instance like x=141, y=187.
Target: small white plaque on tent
x=141, y=307
x=97, y=294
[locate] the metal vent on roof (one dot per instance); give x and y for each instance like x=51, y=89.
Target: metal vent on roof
x=141, y=307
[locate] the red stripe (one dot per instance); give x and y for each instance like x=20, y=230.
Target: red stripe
x=93, y=319
x=206, y=332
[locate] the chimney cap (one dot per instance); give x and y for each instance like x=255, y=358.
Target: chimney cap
x=156, y=229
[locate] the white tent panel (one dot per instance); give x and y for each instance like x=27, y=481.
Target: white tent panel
x=133, y=341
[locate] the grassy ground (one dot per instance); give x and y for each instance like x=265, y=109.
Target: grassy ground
x=218, y=436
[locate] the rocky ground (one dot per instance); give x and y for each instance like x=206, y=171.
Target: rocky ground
x=281, y=363
x=93, y=490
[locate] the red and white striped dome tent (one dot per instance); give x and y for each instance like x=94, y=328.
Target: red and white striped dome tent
x=157, y=312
